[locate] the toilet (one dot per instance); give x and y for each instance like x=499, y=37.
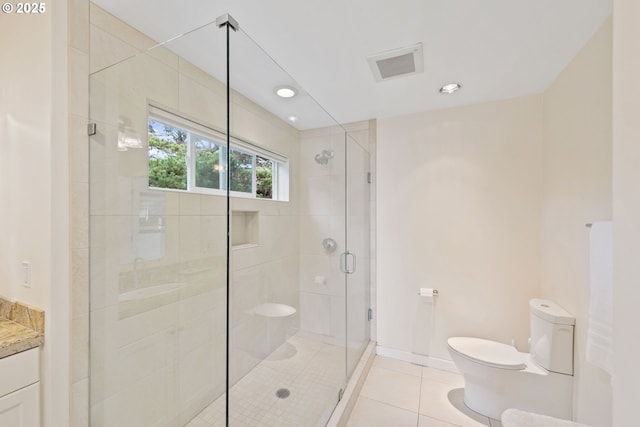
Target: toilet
x=498, y=377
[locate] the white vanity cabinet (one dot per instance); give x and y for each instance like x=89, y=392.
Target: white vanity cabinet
x=20, y=389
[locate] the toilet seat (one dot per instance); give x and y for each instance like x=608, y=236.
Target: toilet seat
x=488, y=353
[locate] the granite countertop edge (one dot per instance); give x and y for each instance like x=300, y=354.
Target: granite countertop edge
x=21, y=327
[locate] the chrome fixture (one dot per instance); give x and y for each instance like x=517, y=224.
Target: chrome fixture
x=283, y=393
x=324, y=157
x=345, y=266
x=329, y=245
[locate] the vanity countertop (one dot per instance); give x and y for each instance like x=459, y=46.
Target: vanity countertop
x=21, y=327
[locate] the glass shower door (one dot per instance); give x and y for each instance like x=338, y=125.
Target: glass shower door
x=157, y=248
x=229, y=239
x=287, y=329
x=357, y=278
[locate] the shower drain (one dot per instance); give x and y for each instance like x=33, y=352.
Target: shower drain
x=283, y=393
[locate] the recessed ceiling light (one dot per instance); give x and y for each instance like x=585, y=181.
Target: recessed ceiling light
x=450, y=88
x=292, y=119
x=285, y=91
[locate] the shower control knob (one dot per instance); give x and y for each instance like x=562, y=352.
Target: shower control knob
x=329, y=245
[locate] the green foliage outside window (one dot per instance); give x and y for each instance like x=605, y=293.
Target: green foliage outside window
x=264, y=178
x=241, y=175
x=168, y=163
x=207, y=165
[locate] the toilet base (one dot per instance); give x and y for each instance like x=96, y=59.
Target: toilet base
x=532, y=389
x=490, y=391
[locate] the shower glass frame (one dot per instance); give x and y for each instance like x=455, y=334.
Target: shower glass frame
x=177, y=320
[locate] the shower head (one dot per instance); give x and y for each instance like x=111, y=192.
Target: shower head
x=324, y=157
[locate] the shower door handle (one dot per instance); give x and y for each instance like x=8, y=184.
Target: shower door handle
x=344, y=262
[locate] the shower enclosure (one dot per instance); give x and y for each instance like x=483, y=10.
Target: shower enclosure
x=229, y=233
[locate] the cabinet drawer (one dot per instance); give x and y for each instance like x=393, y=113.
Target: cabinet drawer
x=19, y=370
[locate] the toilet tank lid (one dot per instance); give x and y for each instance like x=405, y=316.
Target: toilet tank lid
x=551, y=312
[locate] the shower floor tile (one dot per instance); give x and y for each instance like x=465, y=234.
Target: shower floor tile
x=310, y=369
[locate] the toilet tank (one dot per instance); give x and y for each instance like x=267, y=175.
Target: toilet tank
x=551, y=336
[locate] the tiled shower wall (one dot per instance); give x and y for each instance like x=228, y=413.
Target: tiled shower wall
x=322, y=204
x=323, y=200
x=166, y=352
x=111, y=41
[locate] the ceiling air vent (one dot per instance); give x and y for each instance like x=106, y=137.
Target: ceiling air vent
x=397, y=62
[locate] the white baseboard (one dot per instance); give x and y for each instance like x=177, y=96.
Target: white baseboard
x=418, y=359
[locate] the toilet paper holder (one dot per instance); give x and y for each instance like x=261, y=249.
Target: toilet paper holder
x=434, y=292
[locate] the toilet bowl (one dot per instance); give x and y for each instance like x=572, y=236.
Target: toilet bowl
x=498, y=377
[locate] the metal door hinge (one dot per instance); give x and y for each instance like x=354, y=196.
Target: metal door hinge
x=340, y=393
x=92, y=129
x=369, y=178
x=370, y=314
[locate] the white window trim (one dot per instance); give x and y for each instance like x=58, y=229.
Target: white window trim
x=180, y=120
x=280, y=163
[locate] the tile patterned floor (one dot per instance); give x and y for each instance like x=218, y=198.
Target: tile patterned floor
x=395, y=393
x=401, y=394
x=311, y=369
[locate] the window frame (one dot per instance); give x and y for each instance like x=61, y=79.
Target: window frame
x=280, y=163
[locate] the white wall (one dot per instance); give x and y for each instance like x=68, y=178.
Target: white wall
x=577, y=190
x=444, y=223
x=25, y=159
x=458, y=204
x=626, y=211
x=34, y=185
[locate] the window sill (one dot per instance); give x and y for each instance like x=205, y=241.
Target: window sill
x=244, y=246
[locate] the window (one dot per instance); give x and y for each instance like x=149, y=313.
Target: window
x=184, y=155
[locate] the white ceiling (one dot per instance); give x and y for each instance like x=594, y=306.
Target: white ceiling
x=496, y=48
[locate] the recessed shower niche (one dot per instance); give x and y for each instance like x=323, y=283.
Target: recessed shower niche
x=244, y=229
